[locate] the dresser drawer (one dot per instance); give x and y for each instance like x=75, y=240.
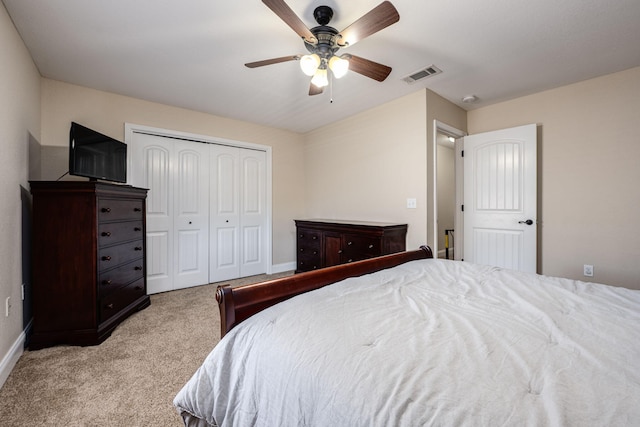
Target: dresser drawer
x=355, y=248
x=308, y=263
x=309, y=238
x=119, y=209
x=112, y=256
x=116, y=301
x=116, y=232
x=110, y=280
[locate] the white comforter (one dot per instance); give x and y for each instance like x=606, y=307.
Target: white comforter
x=430, y=343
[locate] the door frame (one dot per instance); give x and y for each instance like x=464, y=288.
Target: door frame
x=441, y=127
x=131, y=128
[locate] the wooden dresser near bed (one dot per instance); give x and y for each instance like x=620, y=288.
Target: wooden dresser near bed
x=325, y=243
x=89, y=260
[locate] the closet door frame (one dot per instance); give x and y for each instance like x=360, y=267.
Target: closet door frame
x=131, y=128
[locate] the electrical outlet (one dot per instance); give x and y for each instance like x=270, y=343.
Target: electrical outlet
x=7, y=307
x=412, y=204
x=588, y=270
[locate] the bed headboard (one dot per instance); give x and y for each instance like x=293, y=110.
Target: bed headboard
x=241, y=302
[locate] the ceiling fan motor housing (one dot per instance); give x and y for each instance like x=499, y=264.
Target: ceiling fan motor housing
x=323, y=15
x=326, y=36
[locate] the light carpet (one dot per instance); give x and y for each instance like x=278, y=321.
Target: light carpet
x=128, y=380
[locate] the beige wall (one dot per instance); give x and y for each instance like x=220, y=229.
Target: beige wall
x=366, y=166
x=19, y=126
x=589, y=165
x=105, y=112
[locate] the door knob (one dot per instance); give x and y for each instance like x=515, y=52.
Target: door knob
x=528, y=222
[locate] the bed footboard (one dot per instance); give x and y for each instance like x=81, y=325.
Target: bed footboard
x=239, y=303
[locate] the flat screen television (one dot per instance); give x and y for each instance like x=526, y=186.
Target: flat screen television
x=96, y=156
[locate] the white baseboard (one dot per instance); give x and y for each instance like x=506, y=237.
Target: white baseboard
x=281, y=268
x=11, y=358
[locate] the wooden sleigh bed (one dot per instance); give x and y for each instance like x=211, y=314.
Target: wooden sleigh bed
x=237, y=304
x=408, y=340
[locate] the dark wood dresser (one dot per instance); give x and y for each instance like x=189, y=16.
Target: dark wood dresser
x=89, y=263
x=324, y=243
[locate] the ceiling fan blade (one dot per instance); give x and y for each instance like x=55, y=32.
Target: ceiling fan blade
x=272, y=61
x=280, y=8
x=376, y=19
x=368, y=68
x=314, y=90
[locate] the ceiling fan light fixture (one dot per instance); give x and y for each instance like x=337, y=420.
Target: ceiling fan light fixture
x=338, y=66
x=309, y=64
x=320, y=78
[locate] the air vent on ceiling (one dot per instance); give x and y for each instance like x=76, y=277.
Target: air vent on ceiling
x=429, y=71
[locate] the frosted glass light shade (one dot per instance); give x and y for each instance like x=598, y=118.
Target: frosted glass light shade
x=320, y=78
x=338, y=66
x=309, y=64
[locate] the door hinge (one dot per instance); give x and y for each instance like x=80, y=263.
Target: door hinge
x=462, y=153
x=462, y=208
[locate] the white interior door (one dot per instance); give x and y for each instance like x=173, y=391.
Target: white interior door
x=176, y=174
x=191, y=214
x=224, y=263
x=253, y=217
x=207, y=208
x=500, y=198
x=152, y=159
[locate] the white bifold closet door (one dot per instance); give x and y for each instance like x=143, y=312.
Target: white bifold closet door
x=206, y=218
x=238, y=217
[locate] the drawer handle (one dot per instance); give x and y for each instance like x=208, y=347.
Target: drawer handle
x=106, y=233
x=301, y=249
x=110, y=306
x=137, y=209
x=137, y=229
x=106, y=282
x=370, y=246
x=350, y=243
x=137, y=267
x=340, y=251
x=106, y=258
x=350, y=260
x=137, y=248
x=314, y=237
x=315, y=252
x=106, y=210
x=138, y=288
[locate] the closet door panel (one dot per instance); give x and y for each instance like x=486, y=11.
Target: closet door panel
x=224, y=262
x=191, y=214
x=253, y=218
x=153, y=159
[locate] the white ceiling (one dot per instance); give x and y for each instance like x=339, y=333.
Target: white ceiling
x=190, y=53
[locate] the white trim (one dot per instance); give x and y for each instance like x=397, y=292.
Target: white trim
x=440, y=127
x=281, y=268
x=131, y=128
x=11, y=358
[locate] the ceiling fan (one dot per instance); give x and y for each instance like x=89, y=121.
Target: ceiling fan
x=323, y=43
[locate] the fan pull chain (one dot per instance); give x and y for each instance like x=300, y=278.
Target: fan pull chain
x=331, y=89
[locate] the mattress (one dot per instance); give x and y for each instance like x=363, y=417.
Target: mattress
x=430, y=342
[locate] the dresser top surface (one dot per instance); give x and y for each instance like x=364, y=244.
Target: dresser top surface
x=349, y=222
